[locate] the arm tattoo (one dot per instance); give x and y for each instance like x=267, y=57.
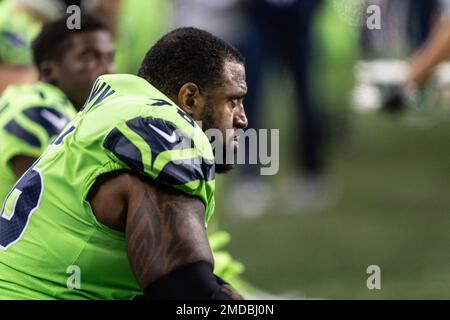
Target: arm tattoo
x=164, y=232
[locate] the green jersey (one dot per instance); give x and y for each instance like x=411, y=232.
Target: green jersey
x=17, y=31
x=49, y=236
x=31, y=116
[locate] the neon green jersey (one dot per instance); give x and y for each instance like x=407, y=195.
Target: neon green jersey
x=47, y=227
x=17, y=31
x=31, y=116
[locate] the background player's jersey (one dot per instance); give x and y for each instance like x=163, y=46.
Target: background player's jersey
x=17, y=31
x=49, y=236
x=31, y=116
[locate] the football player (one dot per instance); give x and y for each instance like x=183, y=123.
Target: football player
x=118, y=205
x=31, y=116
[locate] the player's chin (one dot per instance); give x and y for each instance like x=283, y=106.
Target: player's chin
x=229, y=157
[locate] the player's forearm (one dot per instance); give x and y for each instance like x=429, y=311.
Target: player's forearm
x=168, y=248
x=434, y=51
x=165, y=231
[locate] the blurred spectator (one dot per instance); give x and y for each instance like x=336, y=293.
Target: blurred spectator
x=405, y=26
x=435, y=50
x=223, y=18
x=268, y=32
x=280, y=34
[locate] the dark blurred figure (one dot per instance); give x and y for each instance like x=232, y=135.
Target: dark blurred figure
x=280, y=31
x=269, y=33
x=421, y=15
x=21, y=21
x=406, y=24
x=428, y=27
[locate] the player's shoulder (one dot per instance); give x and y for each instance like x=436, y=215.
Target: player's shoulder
x=125, y=98
x=18, y=94
x=33, y=99
x=146, y=132
x=117, y=88
x=24, y=95
x=138, y=114
x=26, y=110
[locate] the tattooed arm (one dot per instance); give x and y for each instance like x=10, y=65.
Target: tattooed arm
x=165, y=229
x=166, y=239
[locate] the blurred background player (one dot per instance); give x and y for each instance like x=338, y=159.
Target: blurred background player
x=31, y=116
x=21, y=21
x=79, y=68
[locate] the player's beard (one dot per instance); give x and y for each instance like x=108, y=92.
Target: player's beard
x=209, y=121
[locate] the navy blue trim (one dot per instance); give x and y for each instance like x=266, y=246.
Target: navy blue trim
x=157, y=142
x=17, y=130
x=178, y=171
x=15, y=39
x=124, y=150
x=95, y=90
x=160, y=102
x=102, y=90
x=31, y=186
x=187, y=170
x=105, y=94
x=4, y=107
x=41, y=94
x=35, y=115
x=59, y=140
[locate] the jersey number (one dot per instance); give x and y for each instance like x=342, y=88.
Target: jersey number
x=21, y=202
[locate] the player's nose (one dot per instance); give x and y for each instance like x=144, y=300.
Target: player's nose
x=106, y=66
x=241, y=118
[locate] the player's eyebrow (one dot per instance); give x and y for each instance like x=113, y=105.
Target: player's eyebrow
x=239, y=93
x=87, y=50
x=238, y=96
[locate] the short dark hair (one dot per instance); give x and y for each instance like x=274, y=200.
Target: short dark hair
x=187, y=55
x=54, y=36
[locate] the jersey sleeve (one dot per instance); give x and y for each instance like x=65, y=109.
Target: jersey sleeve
x=31, y=131
x=160, y=149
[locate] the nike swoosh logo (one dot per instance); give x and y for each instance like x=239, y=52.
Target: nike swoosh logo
x=171, y=138
x=57, y=122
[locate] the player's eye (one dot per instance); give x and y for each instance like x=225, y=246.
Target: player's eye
x=234, y=102
x=88, y=57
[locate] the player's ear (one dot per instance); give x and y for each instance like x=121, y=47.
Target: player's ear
x=49, y=71
x=191, y=100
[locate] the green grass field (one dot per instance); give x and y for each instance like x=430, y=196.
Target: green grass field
x=391, y=183
x=391, y=209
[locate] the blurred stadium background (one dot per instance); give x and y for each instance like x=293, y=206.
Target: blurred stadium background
x=387, y=176
x=389, y=181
